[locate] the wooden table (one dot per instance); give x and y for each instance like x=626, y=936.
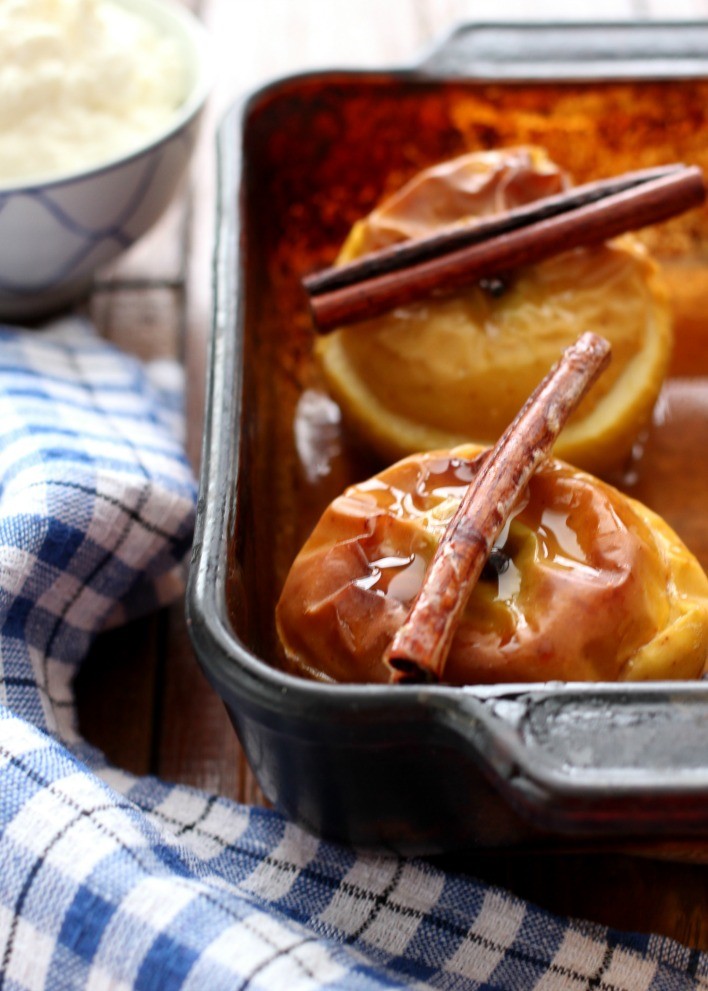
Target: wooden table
x=141, y=695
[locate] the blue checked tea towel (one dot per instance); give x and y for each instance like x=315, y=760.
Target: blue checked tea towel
x=110, y=882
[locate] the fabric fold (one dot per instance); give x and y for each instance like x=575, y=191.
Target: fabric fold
x=96, y=508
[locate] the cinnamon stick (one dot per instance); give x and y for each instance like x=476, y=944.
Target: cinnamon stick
x=420, y=647
x=377, y=290
x=404, y=253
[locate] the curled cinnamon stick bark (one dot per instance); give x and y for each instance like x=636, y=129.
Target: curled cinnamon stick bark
x=420, y=648
x=371, y=289
x=402, y=254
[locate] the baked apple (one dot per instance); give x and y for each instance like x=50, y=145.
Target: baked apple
x=454, y=369
x=584, y=583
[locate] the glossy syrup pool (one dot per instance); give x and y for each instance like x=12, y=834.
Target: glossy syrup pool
x=319, y=153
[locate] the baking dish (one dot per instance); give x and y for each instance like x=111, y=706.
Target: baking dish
x=430, y=769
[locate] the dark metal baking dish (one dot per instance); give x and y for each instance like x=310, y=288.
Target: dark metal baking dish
x=431, y=769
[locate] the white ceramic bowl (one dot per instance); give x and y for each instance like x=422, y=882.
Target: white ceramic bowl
x=54, y=234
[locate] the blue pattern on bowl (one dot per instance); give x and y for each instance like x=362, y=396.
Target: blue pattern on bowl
x=64, y=249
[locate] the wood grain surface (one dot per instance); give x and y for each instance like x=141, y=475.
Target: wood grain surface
x=142, y=697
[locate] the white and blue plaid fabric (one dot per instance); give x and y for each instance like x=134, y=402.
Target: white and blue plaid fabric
x=108, y=881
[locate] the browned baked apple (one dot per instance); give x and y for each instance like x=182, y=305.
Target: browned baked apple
x=454, y=369
x=583, y=583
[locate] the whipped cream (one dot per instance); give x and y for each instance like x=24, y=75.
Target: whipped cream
x=81, y=81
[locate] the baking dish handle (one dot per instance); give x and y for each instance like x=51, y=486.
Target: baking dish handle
x=570, y=51
x=608, y=760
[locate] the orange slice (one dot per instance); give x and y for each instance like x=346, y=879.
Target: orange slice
x=457, y=369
